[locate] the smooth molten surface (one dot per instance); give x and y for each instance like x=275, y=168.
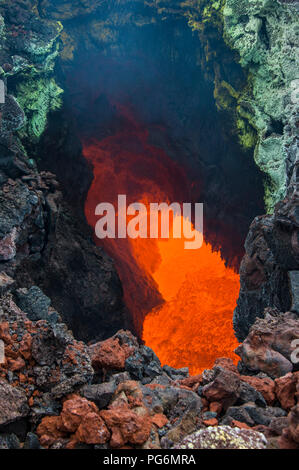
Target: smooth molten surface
x=190, y=294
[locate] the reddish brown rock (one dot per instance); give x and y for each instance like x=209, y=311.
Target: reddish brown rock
x=215, y=407
x=191, y=382
x=16, y=365
x=128, y=394
x=4, y=332
x=92, y=430
x=160, y=420
x=265, y=386
x=210, y=422
x=226, y=363
x=225, y=388
x=237, y=424
x=268, y=347
x=74, y=412
x=285, y=389
x=126, y=426
x=290, y=434
x=50, y=431
x=109, y=354
x=26, y=346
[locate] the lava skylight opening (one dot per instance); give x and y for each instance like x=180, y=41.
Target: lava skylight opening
x=181, y=301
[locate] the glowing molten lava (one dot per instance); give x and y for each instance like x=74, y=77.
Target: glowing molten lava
x=194, y=326
x=190, y=294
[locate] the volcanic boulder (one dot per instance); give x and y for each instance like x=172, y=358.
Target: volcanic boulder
x=13, y=404
x=224, y=437
x=268, y=347
x=268, y=269
x=225, y=387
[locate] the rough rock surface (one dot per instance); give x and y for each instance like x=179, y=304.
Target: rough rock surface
x=58, y=393
x=224, y=437
x=271, y=256
x=269, y=345
x=41, y=241
x=13, y=403
x=269, y=49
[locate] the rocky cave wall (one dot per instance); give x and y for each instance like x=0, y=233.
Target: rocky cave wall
x=262, y=110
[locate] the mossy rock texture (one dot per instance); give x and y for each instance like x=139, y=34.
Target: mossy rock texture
x=29, y=49
x=264, y=33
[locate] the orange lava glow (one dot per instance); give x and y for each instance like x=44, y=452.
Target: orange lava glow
x=181, y=300
x=194, y=325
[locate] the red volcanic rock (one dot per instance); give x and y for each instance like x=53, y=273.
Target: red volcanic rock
x=226, y=363
x=109, y=354
x=237, y=424
x=159, y=420
x=79, y=421
x=49, y=430
x=74, y=411
x=285, y=389
x=127, y=417
x=268, y=347
x=210, y=422
x=216, y=407
x=225, y=388
x=16, y=365
x=26, y=346
x=290, y=435
x=4, y=332
x=191, y=382
x=126, y=426
x=92, y=430
x=265, y=386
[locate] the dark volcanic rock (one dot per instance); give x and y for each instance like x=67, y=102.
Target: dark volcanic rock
x=144, y=365
x=13, y=118
x=100, y=394
x=264, y=416
x=250, y=394
x=271, y=252
x=15, y=205
x=176, y=374
x=13, y=404
x=9, y=441
x=225, y=387
x=31, y=442
x=33, y=302
x=80, y=279
x=238, y=413
x=294, y=287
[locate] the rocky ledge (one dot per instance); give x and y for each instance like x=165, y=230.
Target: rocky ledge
x=57, y=392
